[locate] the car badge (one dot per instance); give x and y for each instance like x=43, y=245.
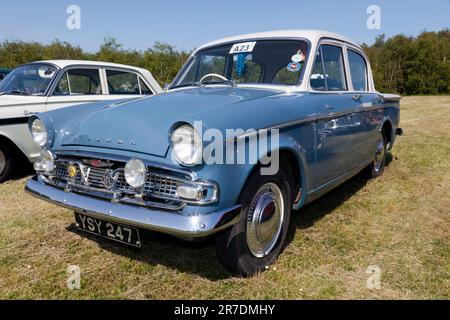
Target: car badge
x=110, y=178
x=96, y=163
x=72, y=170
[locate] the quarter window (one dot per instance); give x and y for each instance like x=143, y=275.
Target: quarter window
x=358, y=71
x=328, y=70
x=79, y=82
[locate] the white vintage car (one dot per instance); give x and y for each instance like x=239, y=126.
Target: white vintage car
x=47, y=85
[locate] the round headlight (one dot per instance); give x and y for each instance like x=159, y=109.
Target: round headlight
x=135, y=173
x=187, y=145
x=45, y=162
x=39, y=132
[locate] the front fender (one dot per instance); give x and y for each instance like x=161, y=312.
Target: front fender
x=20, y=136
x=298, y=141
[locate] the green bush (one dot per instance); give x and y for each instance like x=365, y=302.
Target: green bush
x=402, y=64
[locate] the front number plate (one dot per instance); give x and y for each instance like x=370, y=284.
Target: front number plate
x=109, y=230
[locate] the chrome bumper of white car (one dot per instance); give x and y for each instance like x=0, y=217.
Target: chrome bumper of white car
x=176, y=224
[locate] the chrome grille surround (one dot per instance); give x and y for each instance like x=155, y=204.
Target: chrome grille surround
x=160, y=189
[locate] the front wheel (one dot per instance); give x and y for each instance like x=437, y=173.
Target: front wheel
x=6, y=162
x=257, y=239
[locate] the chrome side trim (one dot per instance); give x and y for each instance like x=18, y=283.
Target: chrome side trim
x=311, y=118
x=177, y=224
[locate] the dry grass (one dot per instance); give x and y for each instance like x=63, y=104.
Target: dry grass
x=399, y=222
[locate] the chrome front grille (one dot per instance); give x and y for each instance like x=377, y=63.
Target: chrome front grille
x=94, y=176
x=159, y=190
x=155, y=185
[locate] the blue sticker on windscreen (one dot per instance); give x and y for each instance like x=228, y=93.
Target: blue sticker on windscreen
x=294, y=67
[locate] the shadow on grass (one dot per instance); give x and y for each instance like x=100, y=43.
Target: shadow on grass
x=199, y=257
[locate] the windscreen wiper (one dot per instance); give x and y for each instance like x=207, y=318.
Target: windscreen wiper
x=186, y=85
x=229, y=82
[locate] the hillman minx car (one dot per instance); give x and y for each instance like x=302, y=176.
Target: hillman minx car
x=251, y=128
x=48, y=85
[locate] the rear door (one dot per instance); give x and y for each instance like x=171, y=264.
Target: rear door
x=367, y=99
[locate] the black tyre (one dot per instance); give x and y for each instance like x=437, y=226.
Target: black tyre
x=257, y=239
x=376, y=168
x=7, y=161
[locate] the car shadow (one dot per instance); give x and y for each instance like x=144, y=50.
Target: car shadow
x=22, y=169
x=307, y=216
x=199, y=257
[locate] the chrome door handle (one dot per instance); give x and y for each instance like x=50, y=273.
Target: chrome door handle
x=328, y=107
x=357, y=97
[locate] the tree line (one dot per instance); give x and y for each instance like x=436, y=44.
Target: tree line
x=411, y=65
x=401, y=64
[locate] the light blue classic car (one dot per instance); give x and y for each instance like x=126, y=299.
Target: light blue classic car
x=251, y=128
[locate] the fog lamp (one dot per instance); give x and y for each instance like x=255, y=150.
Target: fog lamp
x=45, y=162
x=135, y=173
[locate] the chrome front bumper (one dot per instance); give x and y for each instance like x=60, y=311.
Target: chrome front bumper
x=173, y=223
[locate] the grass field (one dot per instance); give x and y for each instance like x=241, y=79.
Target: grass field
x=400, y=223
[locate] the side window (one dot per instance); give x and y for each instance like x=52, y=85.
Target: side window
x=144, y=89
x=358, y=71
x=328, y=70
x=79, y=82
x=121, y=82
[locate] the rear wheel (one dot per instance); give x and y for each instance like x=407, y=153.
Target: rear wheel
x=376, y=168
x=7, y=160
x=257, y=239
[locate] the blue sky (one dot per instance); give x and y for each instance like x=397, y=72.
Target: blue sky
x=138, y=24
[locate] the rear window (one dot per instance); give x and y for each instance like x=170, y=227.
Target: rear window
x=358, y=71
x=121, y=82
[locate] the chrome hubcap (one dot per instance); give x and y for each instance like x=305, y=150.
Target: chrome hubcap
x=2, y=161
x=380, y=154
x=265, y=220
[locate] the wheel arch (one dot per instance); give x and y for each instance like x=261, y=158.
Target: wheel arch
x=5, y=139
x=14, y=135
x=288, y=155
x=388, y=131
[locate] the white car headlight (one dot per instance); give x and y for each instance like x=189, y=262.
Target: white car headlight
x=45, y=162
x=187, y=145
x=39, y=132
x=135, y=173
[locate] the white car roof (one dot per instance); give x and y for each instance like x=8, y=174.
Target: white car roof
x=66, y=63
x=312, y=35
